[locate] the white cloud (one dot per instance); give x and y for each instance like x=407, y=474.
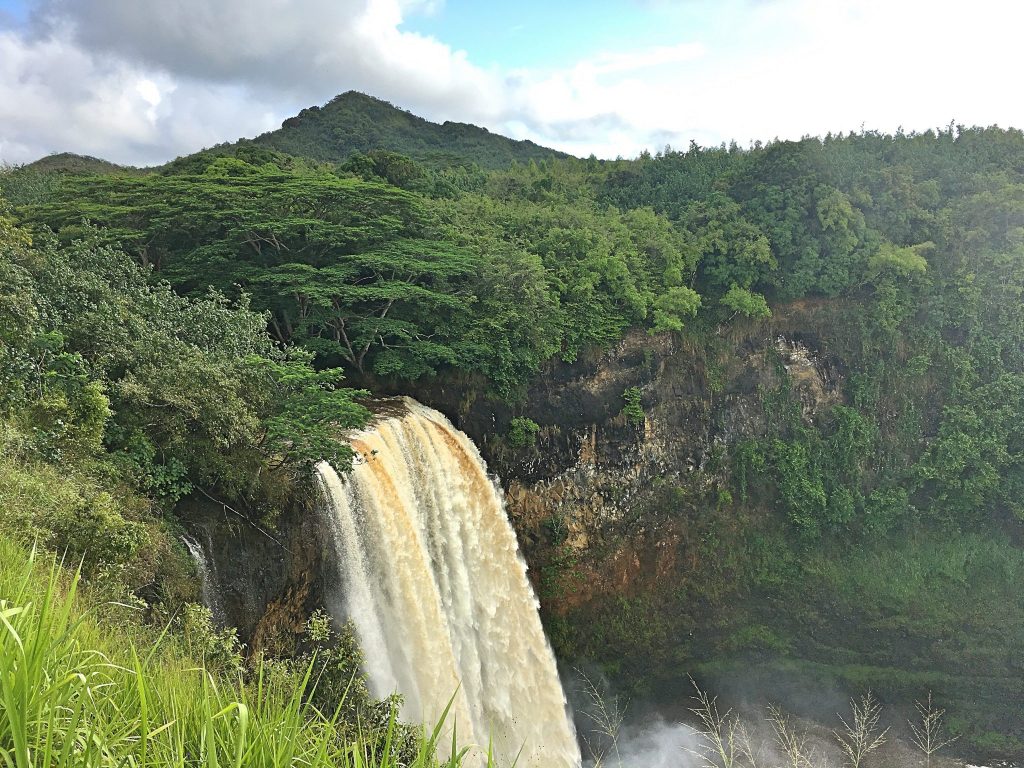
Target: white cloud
x=634, y=61
x=295, y=51
x=791, y=68
x=56, y=96
x=143, y=82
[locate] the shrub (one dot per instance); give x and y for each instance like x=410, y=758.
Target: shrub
x=522, y=432
x=633, y=410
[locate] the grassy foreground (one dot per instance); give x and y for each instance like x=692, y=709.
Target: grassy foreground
x=80, y=687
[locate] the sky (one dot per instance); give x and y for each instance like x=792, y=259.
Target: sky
x=143, y=81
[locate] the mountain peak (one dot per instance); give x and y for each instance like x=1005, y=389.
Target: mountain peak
x=350, y=122
x=69, y=162
x=357, y=122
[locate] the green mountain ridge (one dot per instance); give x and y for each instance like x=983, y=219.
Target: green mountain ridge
x=350, y=123
x=355, y=122
x=78, y=165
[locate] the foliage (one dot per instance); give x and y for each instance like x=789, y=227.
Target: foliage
x=219, y=650
x=342, y=266
x=900, y=262
x=66, y=510
x=732, y=250
x=173, y=392
x=312, y=408
x=671, y=307
x=390, y=282
x=745, y=302
x=336, y=662
x=974, y=464
x=522, y=432
x=633, y=409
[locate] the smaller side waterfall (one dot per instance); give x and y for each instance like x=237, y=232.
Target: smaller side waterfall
x=432, y=577
x=208, y=590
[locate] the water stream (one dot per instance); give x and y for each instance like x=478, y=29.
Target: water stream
x=208, y=589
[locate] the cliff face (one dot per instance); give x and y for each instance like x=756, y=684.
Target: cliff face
x=604, y=505
x=269, y=577
x=608, y=505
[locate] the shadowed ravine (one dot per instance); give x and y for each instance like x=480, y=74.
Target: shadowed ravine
x=431, y=575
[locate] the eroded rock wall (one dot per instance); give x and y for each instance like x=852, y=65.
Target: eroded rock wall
x=608, y=506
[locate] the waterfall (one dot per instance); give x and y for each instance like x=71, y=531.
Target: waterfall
x=432, y=577
x=207, y=580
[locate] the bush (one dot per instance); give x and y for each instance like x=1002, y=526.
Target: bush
x=65, y=511
x=219, y=649
x=522, y=432
x=633, y=410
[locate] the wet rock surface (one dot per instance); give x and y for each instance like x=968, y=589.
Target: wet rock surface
x=269, y=577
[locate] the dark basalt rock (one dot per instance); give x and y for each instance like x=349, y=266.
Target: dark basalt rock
x=269, y=578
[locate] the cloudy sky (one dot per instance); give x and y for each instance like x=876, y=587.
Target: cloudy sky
x=143, y=81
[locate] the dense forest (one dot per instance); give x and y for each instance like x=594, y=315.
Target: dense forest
x=208, y=326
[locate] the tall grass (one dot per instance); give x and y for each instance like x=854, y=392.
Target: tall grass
x=76, y=690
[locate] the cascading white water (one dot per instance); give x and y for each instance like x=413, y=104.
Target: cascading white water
x=207, y=579
x=434, y=582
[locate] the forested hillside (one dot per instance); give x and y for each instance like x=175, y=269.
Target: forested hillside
x=67, y=162
x=354, y=122
x=120, y=397
x=180, y=330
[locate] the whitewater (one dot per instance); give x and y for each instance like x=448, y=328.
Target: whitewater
x=431, y=576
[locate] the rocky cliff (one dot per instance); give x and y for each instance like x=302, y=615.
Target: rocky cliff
x=270, y=573
x=622, y=496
